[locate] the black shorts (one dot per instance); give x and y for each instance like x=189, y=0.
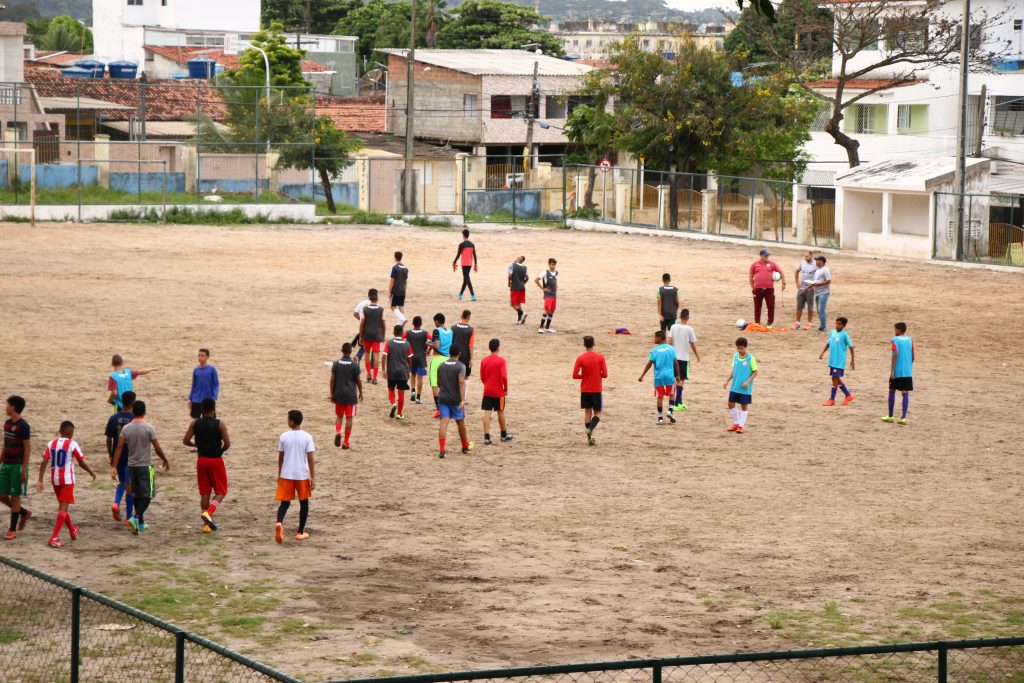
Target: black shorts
x=667, y=323
x=901, y=384
x=493, y=403
x=683, y=366
x=143, y=481
x=397, y=300
x=469, y=367
x=196, y=411
x=593, y=400
x=400, y=384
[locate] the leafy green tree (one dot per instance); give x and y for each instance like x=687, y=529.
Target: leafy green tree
x=37, y=28
x=66, y=34
x=285, y=61
x=494, y=24
x=593, y=128
x=310, y=16
x=380, y=24
x=434, y=17
x=755, y=39
x=330, y=154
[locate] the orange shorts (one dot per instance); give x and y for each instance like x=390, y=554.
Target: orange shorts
x=665, y=391
x=372, y=347
x=289, y=489
x=345, y=409
x=65, y=493
x=549, y=305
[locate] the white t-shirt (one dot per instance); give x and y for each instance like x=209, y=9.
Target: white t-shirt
x=295, y=444
x=806, y=273
x=359, y=308
x=682, y=336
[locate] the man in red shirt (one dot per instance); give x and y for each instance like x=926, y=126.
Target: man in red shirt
x=591, y=368
x=762, y=283
x=494, y=375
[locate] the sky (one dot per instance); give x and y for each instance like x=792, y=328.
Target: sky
x=691, y=5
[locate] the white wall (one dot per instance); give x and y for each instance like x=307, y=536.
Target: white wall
x=858, y=212
x=12, y=59
x=909, y=215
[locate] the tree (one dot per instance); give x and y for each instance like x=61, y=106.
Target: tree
x=309, y=16
x=330, y=154
x=494, y=24
x=66, y=34
x=754, y=39
x=592, y=127
x=379, y=24
x=434, y=17
x=285, y=61
x=891, y=42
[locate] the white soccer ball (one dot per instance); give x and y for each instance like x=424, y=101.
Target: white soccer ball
x=776, y=276
x=740, y=323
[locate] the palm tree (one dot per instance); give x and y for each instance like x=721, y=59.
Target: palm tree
x=434, y=18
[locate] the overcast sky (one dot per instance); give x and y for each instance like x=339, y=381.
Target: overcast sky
x=699, y=4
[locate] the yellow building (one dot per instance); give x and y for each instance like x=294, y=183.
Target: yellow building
x=593, y=39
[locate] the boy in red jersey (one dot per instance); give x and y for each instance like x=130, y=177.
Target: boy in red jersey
x=61, y=454
x=591, y=368
x=465, y=256
x=494, y=375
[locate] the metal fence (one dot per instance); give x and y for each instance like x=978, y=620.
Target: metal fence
x=993, y=229
x=52, y=630
x=504, y=190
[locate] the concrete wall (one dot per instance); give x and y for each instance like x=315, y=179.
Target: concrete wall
x=12, y=59
x=513, y=131
x=521, y=203
x=99, y=212
x=343, y=82
x=344, y=193
x=439, y=96
x=148, y=182
x=910, y=213
x=860, y=212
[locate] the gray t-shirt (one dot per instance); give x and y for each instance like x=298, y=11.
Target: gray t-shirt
x=807, y=271
x=138, y=439
x=519, y=277
x=550, y=281
x=821, y=275
x=448, y=374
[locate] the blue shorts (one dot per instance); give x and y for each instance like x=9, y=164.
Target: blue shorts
x=742, y=399
x=451, y=412
x=422, y=372
x=835, y=372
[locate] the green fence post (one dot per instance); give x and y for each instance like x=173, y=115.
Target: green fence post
x=179, y=656
x=943, y=663
x=76, y=631
x=656, y=674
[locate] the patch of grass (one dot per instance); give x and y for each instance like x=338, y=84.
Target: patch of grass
x=93, y=194
x=185, y=215
x=242, y=626
x=8, y=635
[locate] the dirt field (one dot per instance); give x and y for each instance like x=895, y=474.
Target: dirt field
x=816, y=527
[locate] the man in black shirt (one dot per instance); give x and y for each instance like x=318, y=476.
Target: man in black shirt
x=346, y=393
x=517, y=279
x=451, y=399
x=209, y=437
x=371, y=331
x=668, y=302
x=396, y=288
x=466, y=255
x=418, y=340
x=397, y=362
x=465, y=338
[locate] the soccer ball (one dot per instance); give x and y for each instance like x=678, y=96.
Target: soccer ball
x=776, y=276
x=740, y=323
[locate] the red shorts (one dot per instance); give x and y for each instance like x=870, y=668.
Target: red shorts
x=211, y=475
x=345, y=410
x=288, y=489
x=65, y=493
x=372, y=347
x=517, y=298
x=664, y=392
x=549, y=305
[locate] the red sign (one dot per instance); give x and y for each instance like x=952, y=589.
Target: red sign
x=605, y=165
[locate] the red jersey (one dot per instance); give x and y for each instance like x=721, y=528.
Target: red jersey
x=591, y=368
x=62, y=454
x=494, y=375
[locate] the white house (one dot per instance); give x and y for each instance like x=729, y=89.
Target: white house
x=920, y=120
x=122, y=27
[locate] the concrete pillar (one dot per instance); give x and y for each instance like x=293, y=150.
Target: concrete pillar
x=709, y=211
x=273, y=173
x=190, y=165
x=622, y=201
x=802, y=220
x=541, y=174
x=756, y=218
x=363, y=180
x=461, y=159
x=11, y=142
x=799, y=194
x=101, y=151
x=886, y=214
x=663, y=206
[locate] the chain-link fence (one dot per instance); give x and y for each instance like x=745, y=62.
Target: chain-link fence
x=509, y=189
x=51, y=630
x=993, y=228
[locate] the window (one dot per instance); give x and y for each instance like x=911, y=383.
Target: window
x=589, y=43
x=906, y=35
x=903, y=118
x=573, y=102
x=860, y=36
x=866, y=118
x=912, y=119
x=1018, y=24
x=555, y=107
x=135, y=2
x=470, y=105
x=576, y=43
x=1008, y=114
x=508, y=106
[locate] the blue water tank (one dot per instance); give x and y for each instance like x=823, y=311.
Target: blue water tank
x=96, y=69
x=123, y=70
x=76, y=72
x=202, y=67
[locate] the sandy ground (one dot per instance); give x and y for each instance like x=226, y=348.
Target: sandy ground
x=663, y=540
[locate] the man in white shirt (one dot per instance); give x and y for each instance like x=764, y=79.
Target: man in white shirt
x=804, y=291
x=294, y=474
x=822, y=288
x=357, y=313
x=683, y=339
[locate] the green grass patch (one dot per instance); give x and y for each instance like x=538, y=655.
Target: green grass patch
x=8, y=635
x=93, y=194
x=242, y=627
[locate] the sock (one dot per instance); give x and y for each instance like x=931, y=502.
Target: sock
x=742, y=416
x=303, y=514
x=543, y=318
x=391, y=396
x=465, y=443
x=733, y=413
x=348, y=433
x=833, y=396
x=594, y=422
x=679, y=395
x=441, y=441
x=906, y=404
x=14, y=520
x=369, y=363
x=504, y=433
x=118, y=493
x=213, y=507
x=337, y=428
x=375, y=369
x=547, y=325
x=129, y=505
x=659, y=414
x=401, y=401
x=282, y=510
x=67, y=520
x=58, y=525
x=892, y=402
x=846, y=392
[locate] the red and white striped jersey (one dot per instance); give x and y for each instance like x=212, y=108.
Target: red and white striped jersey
x=62, y=453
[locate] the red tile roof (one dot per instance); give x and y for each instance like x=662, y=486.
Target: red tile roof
x=861, y=83
x=181, y=55
x=354, y=113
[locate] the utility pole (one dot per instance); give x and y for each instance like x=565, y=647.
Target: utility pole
x=532, y=105
x=961, y=132
x=980, y=120
x=408, y=179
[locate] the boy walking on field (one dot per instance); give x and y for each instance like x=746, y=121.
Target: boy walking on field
x=451, y=379
x=294, y=475
x=371, y=331
x=205, y=384
x=14, y=464
x=208, y=436
x=418, y=340
x=346, y=393
x=121, y=379
x=140, y=438
x=591, y=369
x=398, y=362
x=838, y=342
x=740, y=385
x=668, y=302
x=440, y=347
x=465, y=256
x=666, y=373
x=683, y=340
x=494, y=376
x=548, y=282
x=119, y=458
x=517, y=279
x=61, y=454
x=464, y=337
x=396, y=288
x=901, y=372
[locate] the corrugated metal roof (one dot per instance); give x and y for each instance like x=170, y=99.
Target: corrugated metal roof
x=162, y=129
x=496, y=62
x=907, y=175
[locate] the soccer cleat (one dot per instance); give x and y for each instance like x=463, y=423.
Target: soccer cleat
x=373, y=382
x=134, y=524
x=487, y=441
x=522, y=321
x=829, y=402
x=507, y=437
x=459, y=297
x=10, y=535
x=739, y=430
x=207, y=529
x=796, y=326
x=115, y=512
x=473, y=297
x=337, y=440
x=393, y=411
x=670, y=418
x=679, y=407
x=768, y=326
x=847, y=400
x=733, y=428
x=25, y=514
x=590, y=438
x=127, y=522
x=55, y=543
x=901, y=421
x=142, y=526
x=889, y=419
x=399, y=417
x=440, y=455
x=279, y=532
x=549, y=330
x=419, y=401
x=437, y=414
x=540, y=331
x=346, y=447
x=74, y=532
x=369, y=378
x=301, y=535
x=208, y=520
x=412, y=396
x=661, y=420
x=807, y=326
